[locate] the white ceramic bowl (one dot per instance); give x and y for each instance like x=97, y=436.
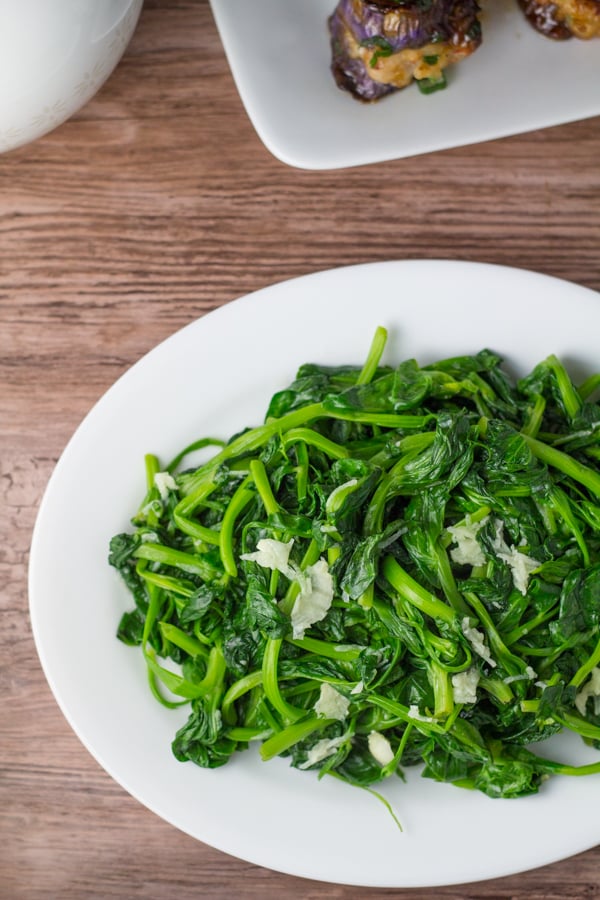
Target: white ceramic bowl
x=54, y=56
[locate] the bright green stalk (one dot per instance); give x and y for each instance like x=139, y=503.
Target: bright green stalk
x=183, y=640
x=193, y=499
x=301, y=471
x=394, y=708
x=496, y=688
x=179, y=685
x=179, y=559
x=373, y=357
x=536, y=415
x=570, y=397
x=237, y=504
x=263, y=486
x=447, y=580
x=341, y=652
x=238, y=689
x=291, y=735
x=165, y=582
x=560, y=502
x=557, y=459
x=578, y=724
x=587, y=387
x=192, y=448
x=415, y=593
x=196, y=530
x=513, y=664
x=270, y=680
x=374, y=514
x=397, y=760
x=442, y=690
x=311, y=438
x=152, y=466
x=584, y=670
x=244, y=734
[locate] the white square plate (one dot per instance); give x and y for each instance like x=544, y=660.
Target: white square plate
x=517, y=81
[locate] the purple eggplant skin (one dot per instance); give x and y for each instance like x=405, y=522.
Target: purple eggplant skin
x=403, y=25
x=350, y=73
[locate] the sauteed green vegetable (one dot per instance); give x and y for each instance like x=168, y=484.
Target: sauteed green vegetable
x=400, y=566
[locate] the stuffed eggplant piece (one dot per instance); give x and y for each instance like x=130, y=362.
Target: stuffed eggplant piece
x=563, y=19
x=381, y=46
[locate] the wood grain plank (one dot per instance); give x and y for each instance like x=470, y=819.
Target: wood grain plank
x=152, y=206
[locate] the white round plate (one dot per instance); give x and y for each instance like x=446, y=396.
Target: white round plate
x=214, y=377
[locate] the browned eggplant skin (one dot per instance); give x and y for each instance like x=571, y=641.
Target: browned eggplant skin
x=543, y=18
x=563, y=19
x=422, y=39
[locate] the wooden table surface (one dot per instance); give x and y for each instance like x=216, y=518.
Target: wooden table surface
x=153, y=205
